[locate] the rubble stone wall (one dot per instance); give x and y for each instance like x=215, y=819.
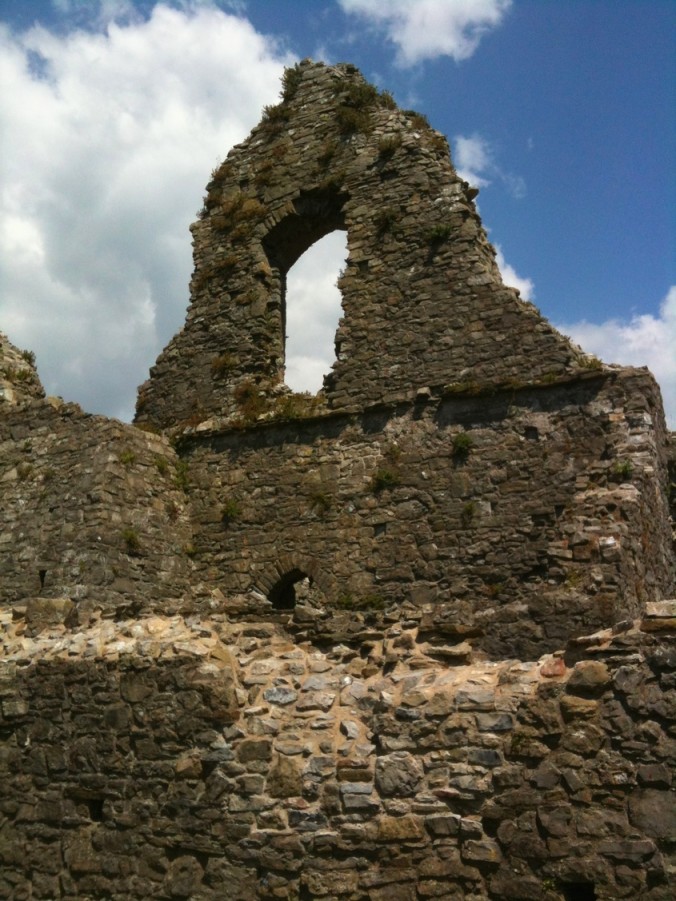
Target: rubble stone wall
x=91, y=510
x=173, y=758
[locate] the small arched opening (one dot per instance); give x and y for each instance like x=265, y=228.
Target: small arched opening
x=282, y=595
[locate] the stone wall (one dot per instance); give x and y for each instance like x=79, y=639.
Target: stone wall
x=517, y=518
x=92, y=509
x=187, y=758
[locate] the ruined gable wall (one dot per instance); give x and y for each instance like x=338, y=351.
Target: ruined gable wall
x=424, y=304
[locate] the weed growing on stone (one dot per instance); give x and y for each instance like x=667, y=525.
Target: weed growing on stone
x=468, y=513
x=275, y=117
x=622, y=470
x=439, y=233
x=439, y=143
x=161, y=465
x=291, y=80
x=388, y=146
x=223, y=364
x=385, y=479
x=320, y=501
x=352, y=120
x=386, y=219
x=591, y=362
x=299, y=405
x=132, y=542
x=386, y=100
x=230, y=511
x=181, y=478
x=19, y=376
x=363, y=602
x=24, y=471
x=327, y=152
x=418, y=120
x=127, y=458
x=461, y=447
x=468, y=387
x=250, y=401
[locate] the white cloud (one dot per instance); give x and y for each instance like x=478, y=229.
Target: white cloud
x=474, y=159
x=426, y=29
x=511, y=278
x=645, y=340
x=313, y=311
x=108, y=139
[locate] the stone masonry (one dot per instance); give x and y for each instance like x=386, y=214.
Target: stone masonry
x=409, y=638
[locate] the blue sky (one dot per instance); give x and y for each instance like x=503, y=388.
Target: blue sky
x=113, y=113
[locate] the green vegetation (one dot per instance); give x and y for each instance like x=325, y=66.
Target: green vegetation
x=320, y=501
x=327, y=152
x=385, y=479
x=418, y=120
x=386, y=100
x=439, y=233
x=249, y=400
x=591, y=362
x=467, y=514
x=367, y=602
x=354, y=113
x=19, y=376
x=24, y=471
x=181, y=478
x=162, y=465
x=127, y=457
x=132, y=542
x=461, y=447
x=230, y=511
x=388, y=145
x=223, y=364
x=275, y=118
x=386, y=219
x=291, y=80
x=622, y=470
x=467, y=387
x=298, y=405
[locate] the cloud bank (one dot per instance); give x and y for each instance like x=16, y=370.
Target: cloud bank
x=644, y=341
x=108, y=139
x=426, y=29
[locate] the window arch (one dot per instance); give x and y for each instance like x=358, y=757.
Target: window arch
x=313, y=216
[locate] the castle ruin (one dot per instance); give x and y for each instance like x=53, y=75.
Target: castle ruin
x=411, y=637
